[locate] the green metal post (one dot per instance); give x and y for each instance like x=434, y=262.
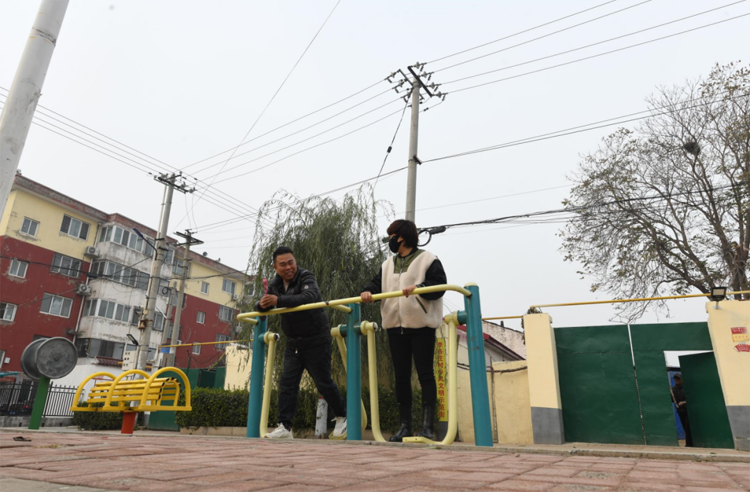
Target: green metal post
x=353, y=376
x=255, y=401
x=39, y=402
x=480, y=399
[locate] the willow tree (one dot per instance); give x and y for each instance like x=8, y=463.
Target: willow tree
x=338, y=241
x=665, y=208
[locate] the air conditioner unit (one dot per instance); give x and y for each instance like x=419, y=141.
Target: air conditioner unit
x=235, y=297
x=91, y=251
x=83, y=290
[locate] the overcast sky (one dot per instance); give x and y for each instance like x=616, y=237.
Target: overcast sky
x=181, y=81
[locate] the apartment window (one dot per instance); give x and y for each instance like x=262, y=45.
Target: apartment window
x=168, y=256
x=107, y=309
x=228, y=286
x=29, y=226
x=158, y=324
x=66, y=265
x=225, y=313
x=74, y=227
x=7, y=311
x=119, y=273
x=179, y=267
x=93, y=347
x=136, y=318
x=18, y=268
x=56, y=305
x=201, y=317
x=126, y=238
x=204, y=287
x=221, y=338
x=197, y=349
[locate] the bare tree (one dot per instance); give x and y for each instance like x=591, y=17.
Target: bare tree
x=665, y=208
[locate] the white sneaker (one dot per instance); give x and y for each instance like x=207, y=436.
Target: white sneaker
x=280, y=432
x=339, y=431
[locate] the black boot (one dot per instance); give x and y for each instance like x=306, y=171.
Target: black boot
x=404, y=413
x=428, y=419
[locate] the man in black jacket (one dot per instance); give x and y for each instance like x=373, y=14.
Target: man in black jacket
x=308, y=345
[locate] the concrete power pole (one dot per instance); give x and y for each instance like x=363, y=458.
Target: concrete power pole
x=153, y=288
x=417, y=85
x=189, y=241
x=26, y=90
x=411, y=183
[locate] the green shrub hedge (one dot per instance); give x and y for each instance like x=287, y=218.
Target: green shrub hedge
x=225, y=408
x=100, y=420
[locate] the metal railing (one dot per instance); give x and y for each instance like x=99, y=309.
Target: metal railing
x=17, y=399
x=353, y=330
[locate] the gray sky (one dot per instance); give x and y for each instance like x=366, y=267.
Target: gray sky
x=181, y=81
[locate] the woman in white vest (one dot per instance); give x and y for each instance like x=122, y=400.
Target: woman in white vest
x=410, y=321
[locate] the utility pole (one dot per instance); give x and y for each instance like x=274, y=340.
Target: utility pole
x=26, y=90
x=417, y=85
x=189, y=241
x=147, y=318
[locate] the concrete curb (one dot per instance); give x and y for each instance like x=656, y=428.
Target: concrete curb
x=578, y=449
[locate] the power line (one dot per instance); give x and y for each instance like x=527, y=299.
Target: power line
x=298, y=131
x=272, y=98
x=600, y=54
x=390, y=147
x=576, y=129
x=303, y=140
x=581, y=47
x=522, y=32
x=574, y=210
x=543, y=36
x=142, y=165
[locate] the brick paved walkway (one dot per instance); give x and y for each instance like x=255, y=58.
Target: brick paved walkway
x=181, y=463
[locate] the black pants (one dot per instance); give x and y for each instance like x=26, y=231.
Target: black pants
x=419, y=344
x=317, y=361
x=685, y=421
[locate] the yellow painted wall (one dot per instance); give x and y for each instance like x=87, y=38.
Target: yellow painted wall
x=7, y=212
x=512, y=406
x=215, y=294
x=238, y=367
x=541, y=354
x=734, y=366
x=50, y=217
x=509, y=405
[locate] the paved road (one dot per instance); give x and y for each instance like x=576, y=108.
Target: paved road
x=78, y=462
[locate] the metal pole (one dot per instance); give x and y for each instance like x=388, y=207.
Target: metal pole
x=480, y=400
x=180, y=299
x=255, y=400
x=153, y=287
x=26, y=90
x=411, y=183
x=40, y=401
x=353, y=376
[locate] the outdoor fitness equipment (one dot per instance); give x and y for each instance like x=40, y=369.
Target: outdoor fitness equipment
x=45, y=359
x=119, y=393
x=471, y=317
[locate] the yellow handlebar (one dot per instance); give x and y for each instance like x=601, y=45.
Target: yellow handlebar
x=341, y=303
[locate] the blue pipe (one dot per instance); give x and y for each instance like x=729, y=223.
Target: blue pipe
x=480, y=399
x=353, y=376
x=255, y=401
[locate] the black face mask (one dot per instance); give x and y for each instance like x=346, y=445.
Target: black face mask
x=394, y=244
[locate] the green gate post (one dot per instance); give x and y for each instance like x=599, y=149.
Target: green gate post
x=39, y=403
x=480, y=399
x=255, y=401
x=353, y=376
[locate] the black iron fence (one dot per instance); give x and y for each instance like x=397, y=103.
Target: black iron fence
x=17, y=399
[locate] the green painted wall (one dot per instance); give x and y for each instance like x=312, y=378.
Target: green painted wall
x=649, y=343
x=597, y=385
